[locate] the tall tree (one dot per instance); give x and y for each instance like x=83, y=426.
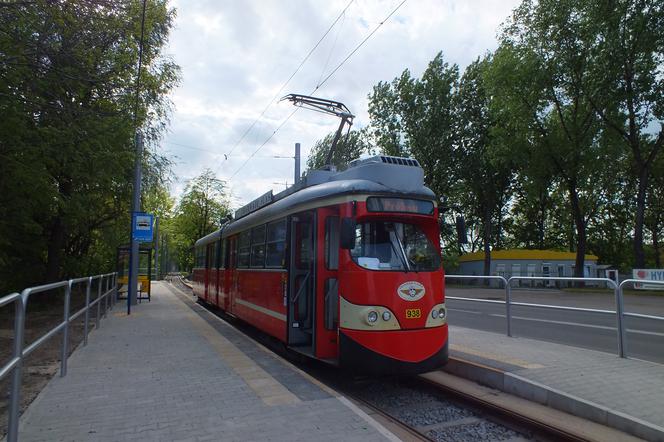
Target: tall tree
x=67, y=76
x=348, y=148
x=484, y=176
x=416, y=117
x=538, y=77
x=201, y=210
x=627, y=87
x=422, y=110
x=654, y=216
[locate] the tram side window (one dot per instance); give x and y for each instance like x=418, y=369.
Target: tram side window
x=243, y=249
x=276, y=244
x=221, y=261
x=332, y=243
x=217, y=254
x=229, y=254
x=232, y=251
x=258, y=246
x=210, y=258
x=200, y=257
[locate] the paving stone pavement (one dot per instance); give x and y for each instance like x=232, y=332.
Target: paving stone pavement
x=160, y=375
x=629, y=386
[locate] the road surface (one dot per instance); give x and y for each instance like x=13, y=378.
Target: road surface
x=644, y=338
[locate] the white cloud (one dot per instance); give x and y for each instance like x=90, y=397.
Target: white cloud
x=236, y=55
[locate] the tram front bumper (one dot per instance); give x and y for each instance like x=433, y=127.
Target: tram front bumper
x=393, y=352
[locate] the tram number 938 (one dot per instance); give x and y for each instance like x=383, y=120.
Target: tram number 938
x=413, y=313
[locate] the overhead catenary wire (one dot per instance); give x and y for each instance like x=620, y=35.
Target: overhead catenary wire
x=188, y=146
x=334, y=45
x=264, y=143
x=350, y=54
x=359, y=45
x=304, y=60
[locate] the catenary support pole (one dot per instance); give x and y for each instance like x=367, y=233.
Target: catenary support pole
x=508, y=306
x=297, y=163
x=156, y=249
x=620, y=320
x=136, y=207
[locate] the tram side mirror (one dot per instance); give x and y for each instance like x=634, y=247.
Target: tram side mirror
x=461, y=230
x=347, y=234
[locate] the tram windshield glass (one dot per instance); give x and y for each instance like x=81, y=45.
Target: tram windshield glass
x=383, y=245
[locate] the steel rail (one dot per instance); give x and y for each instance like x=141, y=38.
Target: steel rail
x=490, y=411
x=505, y=414
x=411, y=430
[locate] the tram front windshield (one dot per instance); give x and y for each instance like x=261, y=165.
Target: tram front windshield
x=384, y=245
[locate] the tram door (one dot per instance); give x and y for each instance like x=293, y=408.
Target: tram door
x=209, y=270
x=302, y=281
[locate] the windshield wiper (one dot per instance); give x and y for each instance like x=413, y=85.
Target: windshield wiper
x=401, y=252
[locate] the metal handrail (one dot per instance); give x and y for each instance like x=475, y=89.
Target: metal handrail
x=641, y=315
x=20, y=351
x=563, y=307
x=617, y=288
x=508, y=294
x=488, y=301
x=640, y=281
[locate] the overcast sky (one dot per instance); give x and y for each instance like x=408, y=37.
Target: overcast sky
x=236, y=55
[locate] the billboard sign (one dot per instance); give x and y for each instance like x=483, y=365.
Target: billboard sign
x=141, y=226
x=649, y=275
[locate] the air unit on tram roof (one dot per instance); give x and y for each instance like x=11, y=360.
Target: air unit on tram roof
x=385, y=159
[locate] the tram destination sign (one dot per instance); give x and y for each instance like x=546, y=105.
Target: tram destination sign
x=256, y=204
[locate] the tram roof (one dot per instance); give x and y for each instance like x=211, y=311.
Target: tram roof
x=379, y=175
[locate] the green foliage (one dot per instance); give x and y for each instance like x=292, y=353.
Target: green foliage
x=553, y=141
x=415, y=116
x=202, y=209
x=445, y=122
x=599, y=64
x=67, y=76
x=349, y=147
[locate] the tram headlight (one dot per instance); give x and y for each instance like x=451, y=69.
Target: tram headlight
x=372, y=317
x=438, y=317
x=387, y=316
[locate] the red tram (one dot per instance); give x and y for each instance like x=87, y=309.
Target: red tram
x=343, y=267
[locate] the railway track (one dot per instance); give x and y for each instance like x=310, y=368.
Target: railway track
x=417, y=408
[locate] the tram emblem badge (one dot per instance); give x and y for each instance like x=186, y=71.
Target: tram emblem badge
x=411, y=291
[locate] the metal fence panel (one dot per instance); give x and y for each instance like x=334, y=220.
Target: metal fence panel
x=20, y=352
x=617, y=289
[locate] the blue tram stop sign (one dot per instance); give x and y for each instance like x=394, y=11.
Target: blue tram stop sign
x=141, y=226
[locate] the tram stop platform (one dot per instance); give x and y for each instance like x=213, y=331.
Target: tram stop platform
x=171, y=371
x=626, y=394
